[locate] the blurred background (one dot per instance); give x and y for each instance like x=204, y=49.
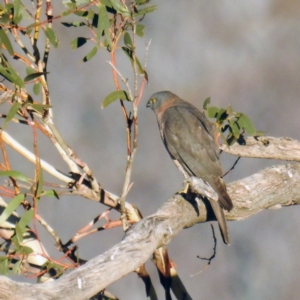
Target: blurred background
x=240, y=53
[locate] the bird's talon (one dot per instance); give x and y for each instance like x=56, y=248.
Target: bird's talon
x=185, y=189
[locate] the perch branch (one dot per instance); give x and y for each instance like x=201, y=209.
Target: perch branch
x=266, y=147
x=277, y=186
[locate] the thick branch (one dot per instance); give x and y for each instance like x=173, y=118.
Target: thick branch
x=266, y=147
x=273, y=187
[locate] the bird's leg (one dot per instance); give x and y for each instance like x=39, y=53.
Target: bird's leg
x=186, y=187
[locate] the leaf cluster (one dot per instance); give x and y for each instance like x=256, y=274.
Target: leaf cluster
x=110, y=19
x=231, y=125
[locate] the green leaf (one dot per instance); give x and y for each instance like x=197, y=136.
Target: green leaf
x=205, y=103
x=15, y=174
x=106, y=3
x=140, y=2
x=107, y=41
x=26, y=219
x=16, y=268
x=50, y=193
x=127, y=40
x=12, y=112
x=246, y=123
x=69, y=4
x=33, y=76
x=11, y=75
x=4, y=265
x=4, y=72
x=15, y=240
x=67, y=12
x=17, y=14
x=6, y=42
x=29, y=70
x=40, y=183
x=38, y=107
x=81, y=13
x=140, y=68
x=146, y=10
x=73, y=24
x=231, y=140
x=19, y=233
x=212, y=111
x=129, y=53
x=121, y=9
x=90, y=54
x=229, y=110
x=222, y=115
x=11, y=207
x=140, y=30
x=51, y=36
x=24, y=250
x=90, y=15
x=78, y=42
x=234, y=128
x=113, y=97
x=16, y=79
x=37, y=88
x=103, y=21
x=80, y=2
x=223, y=138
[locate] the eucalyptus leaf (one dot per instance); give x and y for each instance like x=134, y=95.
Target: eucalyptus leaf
x=26, y=218
x=15, y=174
x=51, y=36
x=146, y=10
x=4, y=265
x=33, y=76
x=205, y=103
x=234, y=128
x=127, y=40
x=37, y=88
x=11, y=207
x=12, y=112
x=103, y=21
x=121, y=9
x=50, y=193
x=113, y=97
x=245, y=122
x=222, y=115
x=16, y=267
x=212, y=111
x=6, y=42
x=90, y=54
x=78, y=42
x=140, y=30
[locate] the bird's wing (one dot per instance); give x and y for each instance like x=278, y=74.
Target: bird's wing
x=192, y=145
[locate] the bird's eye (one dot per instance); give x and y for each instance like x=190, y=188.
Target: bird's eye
x=153, y=100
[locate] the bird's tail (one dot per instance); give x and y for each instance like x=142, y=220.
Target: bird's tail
x=224, y=199
x=219, y=213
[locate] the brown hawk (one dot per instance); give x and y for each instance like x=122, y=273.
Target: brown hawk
x=188, y=137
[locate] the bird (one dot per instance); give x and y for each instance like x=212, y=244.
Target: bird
x=189, y=139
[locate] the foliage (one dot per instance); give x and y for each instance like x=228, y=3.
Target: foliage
x=235, y=124
x=111, y=25
x=26, y=40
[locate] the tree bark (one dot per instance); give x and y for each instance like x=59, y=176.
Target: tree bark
x=273, y=187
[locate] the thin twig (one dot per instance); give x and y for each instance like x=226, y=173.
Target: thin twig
x=209, y=260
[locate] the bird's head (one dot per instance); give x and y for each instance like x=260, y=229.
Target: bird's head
x=158, y=99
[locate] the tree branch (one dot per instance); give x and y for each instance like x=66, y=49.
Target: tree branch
x=266, y=147
x=277, y=186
